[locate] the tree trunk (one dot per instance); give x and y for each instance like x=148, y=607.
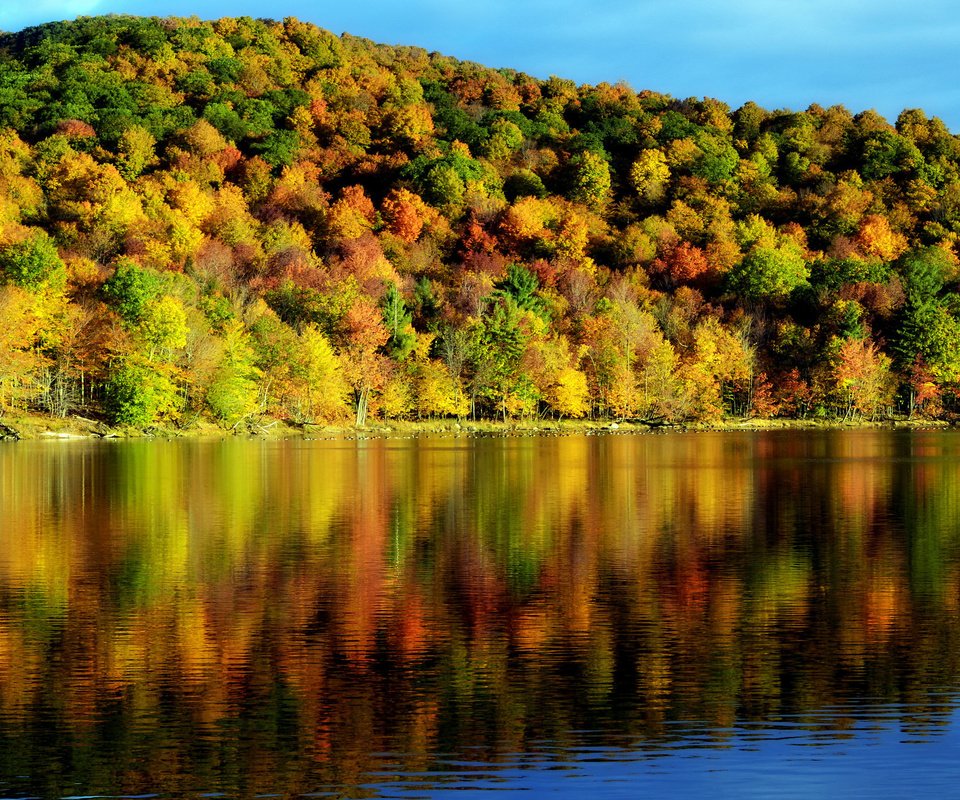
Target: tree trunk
x=362, y=397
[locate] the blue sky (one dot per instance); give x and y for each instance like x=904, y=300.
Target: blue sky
x=881, y=54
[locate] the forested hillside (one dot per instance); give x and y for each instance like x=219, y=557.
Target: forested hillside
x=238, y=218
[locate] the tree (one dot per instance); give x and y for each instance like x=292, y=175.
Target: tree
x=590, y=180
x=721, y=370
x=232, y=394
x=923, y=393
x=763, y=403
x=163, y=326
x=681, y=264
x=405, y=214
x=497, y=355
x=875, y=239
x=718, y=159
x=521, y=286
x=32, y=261
x=568, y=395
x=928, y=331
x=438, y=391
x=136, y=152
x=769, y=273
x=649, y=175
x=141, y=394
x=524, y=183
x=862, y=379
x=362, y=334
x=319, y=388
x=398, y=322
x=793, y=394
x=130, y=290
x=20, y=360
x=554, y=372
x=923, y=273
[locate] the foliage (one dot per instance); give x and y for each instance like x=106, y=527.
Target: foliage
x=232, y=394
x=130, y=290
x=398, y=323
x=141, y=394
x=31, y=261
x=769, y=272
x=260, y=216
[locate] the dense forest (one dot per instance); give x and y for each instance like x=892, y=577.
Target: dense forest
x=225, y=220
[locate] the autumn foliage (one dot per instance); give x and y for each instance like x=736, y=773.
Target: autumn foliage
x=260, y=218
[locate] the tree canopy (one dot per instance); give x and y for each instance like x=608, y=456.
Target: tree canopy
x=241, y=217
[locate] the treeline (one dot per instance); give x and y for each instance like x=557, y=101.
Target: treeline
x=243, y=217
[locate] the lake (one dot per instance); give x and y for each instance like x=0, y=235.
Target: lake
x=747, y=615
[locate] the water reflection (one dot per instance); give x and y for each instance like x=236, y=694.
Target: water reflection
x=250, y=617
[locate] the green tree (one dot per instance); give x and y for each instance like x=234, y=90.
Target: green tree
x=398, y=322
x=923, y=273
x=141, y=393
x=718, y=159
x=524, y=183
x=32, y=261
x=769, y=273
x=929, y=331
x=522, y=286
x=130, y=290
x=232, y=395
x=497, y=355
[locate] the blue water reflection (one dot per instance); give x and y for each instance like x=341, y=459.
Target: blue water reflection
x=880, y=753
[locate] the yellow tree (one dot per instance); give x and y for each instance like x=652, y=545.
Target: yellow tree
x=556, y=377
x=439, y=392
x=318, y=386
x=721, y=365
x=20, y=361
x=232, y=396
x=649, y=175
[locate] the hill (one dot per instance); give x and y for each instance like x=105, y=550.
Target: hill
x=243, y=217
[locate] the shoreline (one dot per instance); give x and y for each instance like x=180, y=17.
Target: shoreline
x=35, y=427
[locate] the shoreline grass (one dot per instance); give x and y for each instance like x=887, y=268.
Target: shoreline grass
x=40, y=427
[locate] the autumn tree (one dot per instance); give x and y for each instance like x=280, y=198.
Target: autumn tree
x=862, y=379
x=319, y=388
x=649, y=175
x=362, y=334
x=20, y=361
x=590, y=179
x=216, y=219
x=438, y=391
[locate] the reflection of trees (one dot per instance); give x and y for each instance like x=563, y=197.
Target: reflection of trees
x=243, y=614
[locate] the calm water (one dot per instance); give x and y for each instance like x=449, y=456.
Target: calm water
x=738, y=615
